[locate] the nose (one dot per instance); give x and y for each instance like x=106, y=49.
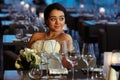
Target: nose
x=57, y=21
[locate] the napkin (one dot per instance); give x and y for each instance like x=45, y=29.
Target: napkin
x=58, y=71
x=113, y=74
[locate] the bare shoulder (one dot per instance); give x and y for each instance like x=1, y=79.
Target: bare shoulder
x=66, y=36
x=68, y=39
x=38, y=35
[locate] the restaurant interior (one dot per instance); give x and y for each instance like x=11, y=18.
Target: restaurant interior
x=89, y=21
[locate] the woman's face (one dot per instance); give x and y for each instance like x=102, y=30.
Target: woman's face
x=56, y=20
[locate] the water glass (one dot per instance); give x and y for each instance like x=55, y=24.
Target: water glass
x=88, y=56
x=19, y=33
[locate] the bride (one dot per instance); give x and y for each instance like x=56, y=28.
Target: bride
x=50, y=41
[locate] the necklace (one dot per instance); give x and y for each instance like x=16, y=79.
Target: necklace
x=52, y=37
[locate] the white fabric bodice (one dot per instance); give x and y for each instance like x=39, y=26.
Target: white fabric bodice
x=49, y=47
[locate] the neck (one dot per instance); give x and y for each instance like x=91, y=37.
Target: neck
x=52, y=35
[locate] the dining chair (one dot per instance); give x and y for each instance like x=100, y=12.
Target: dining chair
x=108, y=39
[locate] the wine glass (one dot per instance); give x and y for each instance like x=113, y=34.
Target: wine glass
x=46, y=58
x=64, y=48
x=115, y=61
x=73, y=56
x=50, y=55
x=88, y=56
x=36, y=72
x=19, y=33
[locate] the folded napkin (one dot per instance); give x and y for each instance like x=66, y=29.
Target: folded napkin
x=58, y=71
x=113, y=75
x=112, y=23
x=90, y=22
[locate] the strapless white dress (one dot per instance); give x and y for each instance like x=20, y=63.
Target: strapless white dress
x=49, y=47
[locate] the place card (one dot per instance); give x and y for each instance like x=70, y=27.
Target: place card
x=58, y=71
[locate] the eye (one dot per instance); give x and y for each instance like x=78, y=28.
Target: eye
x=52, y=19
x=62, y=19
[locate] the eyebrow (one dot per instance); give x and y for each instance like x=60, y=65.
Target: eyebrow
x=55, y=16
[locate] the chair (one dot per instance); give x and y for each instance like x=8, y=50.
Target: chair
x=109, y=38
x=1, y=59
x=9, y=60
x=117, y=16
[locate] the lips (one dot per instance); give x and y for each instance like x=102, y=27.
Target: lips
x=57, y=26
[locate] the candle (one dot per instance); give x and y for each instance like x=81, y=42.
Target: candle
x=82, y=6
x=33, y=9
x=107, y=63
x=113, y=75
x=41, y=15
x=22, y=3
x=115, y=61
x=102, y=10
x=115, y=58
x=27, y=6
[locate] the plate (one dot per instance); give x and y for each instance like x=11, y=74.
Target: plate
x=28, y=35
x=17, y=40
x=92, y=70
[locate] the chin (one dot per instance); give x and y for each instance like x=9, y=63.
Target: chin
x=57, y=30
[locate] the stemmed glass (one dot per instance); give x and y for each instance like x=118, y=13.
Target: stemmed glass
x=64, y=48
x=50, y=54
x=46, y=58
x=19, y=33
x=88, y=56
x=73, y=56
x=115, y=61
x=36, y=72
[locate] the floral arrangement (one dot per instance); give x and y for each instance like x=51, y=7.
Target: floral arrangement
x=27, y=59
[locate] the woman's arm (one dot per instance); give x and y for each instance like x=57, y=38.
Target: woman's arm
x=32, y=40
x=69, y=42
x=36, y=36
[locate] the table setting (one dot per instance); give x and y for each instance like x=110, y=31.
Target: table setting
x=37, y=72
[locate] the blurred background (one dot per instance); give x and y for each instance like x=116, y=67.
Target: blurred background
x=91, y=21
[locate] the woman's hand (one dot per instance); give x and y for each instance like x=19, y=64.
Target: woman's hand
x=66, y=64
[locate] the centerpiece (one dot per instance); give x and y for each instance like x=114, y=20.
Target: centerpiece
x=27, y=59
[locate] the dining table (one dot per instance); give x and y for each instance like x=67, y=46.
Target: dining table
x=90, y=28
x=10, y=39
x=25, y=75
x=10, y=42
x=12, y=46
x=94, y=25
x=14, y=74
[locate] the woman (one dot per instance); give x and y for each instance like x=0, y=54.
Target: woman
x=55, y=20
